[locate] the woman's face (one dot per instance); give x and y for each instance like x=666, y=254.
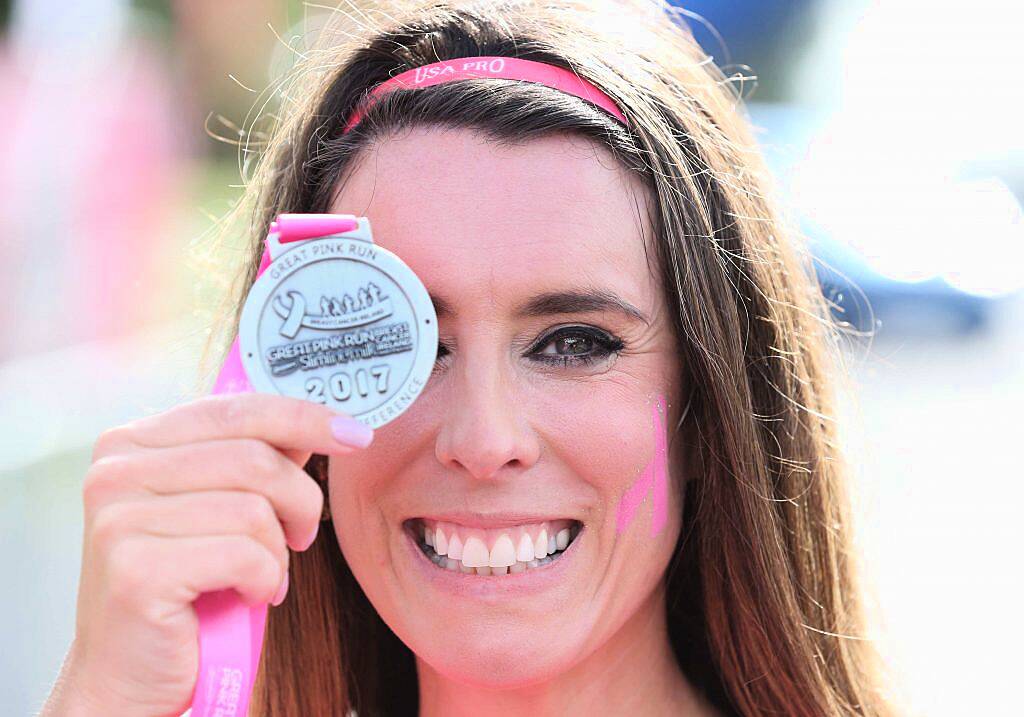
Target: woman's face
x=539, y=414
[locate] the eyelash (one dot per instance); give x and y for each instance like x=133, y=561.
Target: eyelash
x=606, y=345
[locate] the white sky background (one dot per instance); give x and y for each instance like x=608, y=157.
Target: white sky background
x=922, y=133
x=923, y=109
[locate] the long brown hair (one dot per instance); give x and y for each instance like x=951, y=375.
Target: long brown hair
x=763, y=606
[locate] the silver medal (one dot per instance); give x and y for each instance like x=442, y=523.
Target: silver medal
x=340, y=321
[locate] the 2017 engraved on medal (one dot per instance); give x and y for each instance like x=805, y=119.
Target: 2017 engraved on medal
x=341, y=384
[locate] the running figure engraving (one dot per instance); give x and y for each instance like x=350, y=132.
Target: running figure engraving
x=369, y=305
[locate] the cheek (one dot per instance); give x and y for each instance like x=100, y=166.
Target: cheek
x=358, y=497
x=616, y=439
x=647, y=516
x=652, y=485
x=608, y=413
x=637, y=535
x=366, y=484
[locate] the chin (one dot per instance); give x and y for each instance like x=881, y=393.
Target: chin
x=499, y=657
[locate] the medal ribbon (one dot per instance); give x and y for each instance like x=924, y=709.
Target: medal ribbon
x=231, y=632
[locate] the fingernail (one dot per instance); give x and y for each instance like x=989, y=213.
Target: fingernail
x=281, y=592
x=351, y=432
x=312, y=537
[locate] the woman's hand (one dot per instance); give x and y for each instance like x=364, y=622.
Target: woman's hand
x=206, y=496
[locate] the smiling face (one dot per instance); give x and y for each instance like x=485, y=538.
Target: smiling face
x=539, y=415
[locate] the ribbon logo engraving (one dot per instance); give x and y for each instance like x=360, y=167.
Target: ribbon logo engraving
x=369, y=305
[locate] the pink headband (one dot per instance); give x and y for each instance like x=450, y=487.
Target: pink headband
x=504, y=68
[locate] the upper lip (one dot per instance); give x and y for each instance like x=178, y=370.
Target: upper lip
x=492, y=520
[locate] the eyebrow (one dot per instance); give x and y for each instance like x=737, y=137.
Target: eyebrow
x=577, y=301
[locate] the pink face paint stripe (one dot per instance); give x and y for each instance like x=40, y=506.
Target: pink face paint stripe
x=654, y=479
x=631, y=500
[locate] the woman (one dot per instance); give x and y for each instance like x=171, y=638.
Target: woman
x=633, y=372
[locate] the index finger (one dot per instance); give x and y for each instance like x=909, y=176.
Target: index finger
x=297, y=426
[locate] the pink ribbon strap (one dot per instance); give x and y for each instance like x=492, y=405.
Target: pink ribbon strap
x=231, y=632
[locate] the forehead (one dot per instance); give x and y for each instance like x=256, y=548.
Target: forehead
x=481, y=221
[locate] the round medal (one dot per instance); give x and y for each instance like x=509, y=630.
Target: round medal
x=341, y=321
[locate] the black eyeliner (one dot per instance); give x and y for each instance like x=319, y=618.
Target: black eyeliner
x=607, y=344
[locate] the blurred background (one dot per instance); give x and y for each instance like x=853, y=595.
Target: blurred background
x=894, y=128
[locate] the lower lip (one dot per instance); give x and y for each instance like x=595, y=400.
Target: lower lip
x=471, y=585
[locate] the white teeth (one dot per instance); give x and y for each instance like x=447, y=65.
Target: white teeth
x=467, y=552
x=474, y=553
x=525, y=550
x=502, y=554
x=561, y=540
x=455, y=547
x=541, y=544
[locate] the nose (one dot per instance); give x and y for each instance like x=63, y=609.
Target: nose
x=485, y=429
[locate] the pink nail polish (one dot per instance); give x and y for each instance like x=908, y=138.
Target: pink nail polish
x=312, y=537
x=351, y=432
x=281, y=592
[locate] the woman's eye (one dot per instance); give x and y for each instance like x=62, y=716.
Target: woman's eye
x=572, y=346
x=576, y=346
